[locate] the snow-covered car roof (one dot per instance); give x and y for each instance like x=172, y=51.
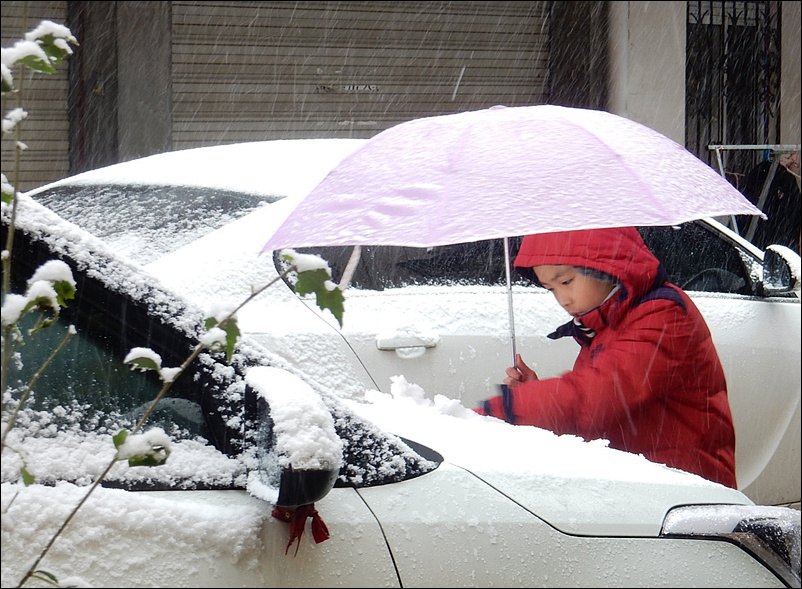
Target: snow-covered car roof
x=171, y=199
x=290, y=167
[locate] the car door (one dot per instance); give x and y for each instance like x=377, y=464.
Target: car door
x=440, y=318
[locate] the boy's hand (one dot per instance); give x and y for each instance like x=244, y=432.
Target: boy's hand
x=519, y=373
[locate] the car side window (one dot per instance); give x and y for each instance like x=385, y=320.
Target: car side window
x=381, y=267
x=88, y=393
x=88, y=378
x=697, y=259
x=210, y=413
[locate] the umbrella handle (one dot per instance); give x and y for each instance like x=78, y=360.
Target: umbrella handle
x=507, y=267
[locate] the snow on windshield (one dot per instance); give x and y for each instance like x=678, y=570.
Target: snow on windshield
x=148, y=207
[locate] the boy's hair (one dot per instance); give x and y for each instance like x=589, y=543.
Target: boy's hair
x=529, y=273
x=597, y=274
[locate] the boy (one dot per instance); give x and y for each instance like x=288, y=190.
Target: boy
x=647, y=377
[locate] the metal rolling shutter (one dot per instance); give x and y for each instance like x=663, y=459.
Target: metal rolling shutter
x=45, y=130
x=246, y=71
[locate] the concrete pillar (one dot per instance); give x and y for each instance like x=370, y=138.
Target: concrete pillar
x=144, y=78
x=647, y=64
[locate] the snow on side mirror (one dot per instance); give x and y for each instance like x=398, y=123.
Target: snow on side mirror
x=299, y=453
x=781, y=270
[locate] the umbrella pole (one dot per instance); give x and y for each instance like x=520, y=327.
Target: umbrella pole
x=350, y=267
x=507, y=266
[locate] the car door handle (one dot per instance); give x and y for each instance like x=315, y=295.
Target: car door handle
x=405, y=341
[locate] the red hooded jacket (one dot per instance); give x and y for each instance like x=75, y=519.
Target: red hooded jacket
x=649, y=381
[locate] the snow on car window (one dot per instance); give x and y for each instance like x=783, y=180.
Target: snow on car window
x=146, y=222
x=53, y=453
x=370, y=456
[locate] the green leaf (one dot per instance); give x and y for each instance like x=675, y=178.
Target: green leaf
x=143, y=363
x=8, y=195
x=155, y=457
x=317, y=281
x=231, y=328
x=50, y=309
x=45, y=305
x=48, y=576
x=51, y=49
x=5, y=87
x=37, y=64
x=232, y=335
x=64, y=290
x=27, y=477
x=120, y=438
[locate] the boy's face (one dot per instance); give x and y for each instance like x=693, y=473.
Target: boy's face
x=576, y=293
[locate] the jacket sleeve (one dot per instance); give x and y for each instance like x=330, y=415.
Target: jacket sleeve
x=499, y=406
x=647, y=357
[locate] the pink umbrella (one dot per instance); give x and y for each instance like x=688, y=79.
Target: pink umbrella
x=506, y=171
x=503, y=172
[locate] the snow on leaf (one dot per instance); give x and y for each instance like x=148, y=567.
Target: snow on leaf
x=143, y=359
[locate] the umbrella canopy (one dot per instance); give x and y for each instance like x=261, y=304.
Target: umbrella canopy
x=506, y=171
x=503, y=172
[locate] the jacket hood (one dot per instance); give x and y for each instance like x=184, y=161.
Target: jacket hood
x=618, y=251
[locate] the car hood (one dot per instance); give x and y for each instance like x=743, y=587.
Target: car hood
x=579, y=487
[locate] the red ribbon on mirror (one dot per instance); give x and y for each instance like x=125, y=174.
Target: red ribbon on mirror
x=297, y=519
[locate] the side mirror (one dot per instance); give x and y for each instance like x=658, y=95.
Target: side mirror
x=781, y=270
x=301, y=487
x=298, y=452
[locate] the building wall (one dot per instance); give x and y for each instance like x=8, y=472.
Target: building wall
x=347, y=69
x=44, y=98
x=94, y=94
x=154, y=76
x=145, y=99
x=579, y=56
x=791, y=89
x=647, y=68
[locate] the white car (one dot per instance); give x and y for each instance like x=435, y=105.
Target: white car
x=436, y=316
x=414, y=492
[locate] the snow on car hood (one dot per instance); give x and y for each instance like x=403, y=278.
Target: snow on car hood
x=580, y=487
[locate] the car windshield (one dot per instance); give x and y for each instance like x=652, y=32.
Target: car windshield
x=146, y=222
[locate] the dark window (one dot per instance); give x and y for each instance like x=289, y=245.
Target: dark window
x=383, y=267
x=695, y=258
x=698, y=259
x=89, y=374
x=732, y=80
x=87, y=377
